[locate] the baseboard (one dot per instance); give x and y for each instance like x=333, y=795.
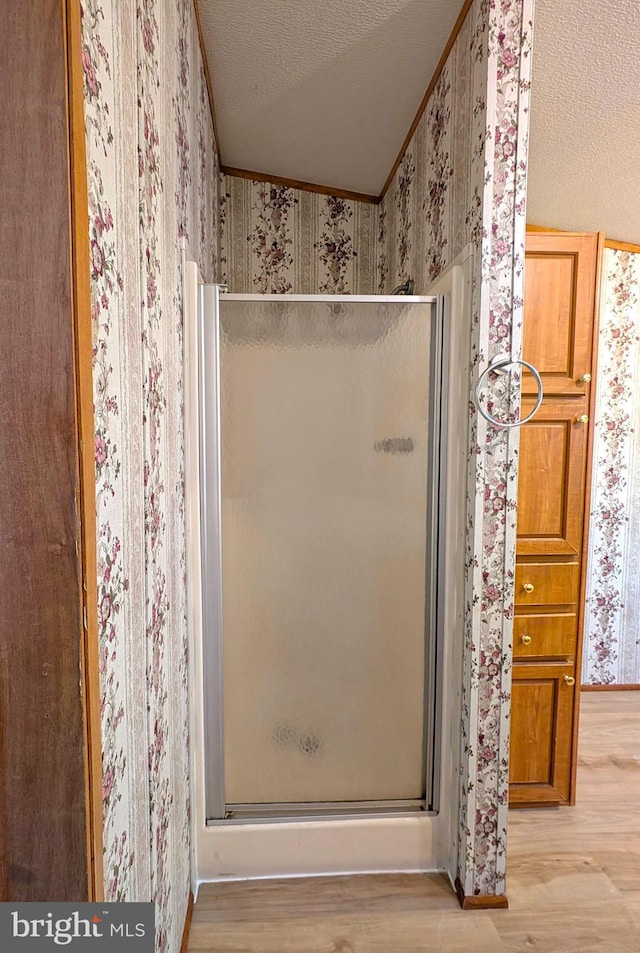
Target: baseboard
x=481, y=901
x=187, y=924
x=610, y=688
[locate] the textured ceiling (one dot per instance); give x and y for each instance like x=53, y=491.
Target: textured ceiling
x=322, y=91
x=585, y=117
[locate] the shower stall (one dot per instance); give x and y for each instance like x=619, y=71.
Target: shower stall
x=316, y=430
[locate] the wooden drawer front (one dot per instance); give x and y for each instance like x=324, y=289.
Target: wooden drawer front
x=545, y=636
x=553, y=584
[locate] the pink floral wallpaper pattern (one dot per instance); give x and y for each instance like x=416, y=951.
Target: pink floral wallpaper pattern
x=463, y=180
x=281, y=240
x=612, y=620
x=153, y=181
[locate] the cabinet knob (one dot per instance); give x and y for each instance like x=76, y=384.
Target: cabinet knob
x=526, y=640
x=582, y=419
x=528, y=587
x=585, y=379
x=569, y=679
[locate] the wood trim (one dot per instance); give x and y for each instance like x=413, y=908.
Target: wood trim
x=81, y=290
x=559, y=232
x=482, y=901
x=527, y=805
x=610, y=688
x=297, y=184
x=587, y=511
x=544, y=228
x=187, y=924
x=622, y=246
x=466, y=6
x=606, y=242
x=207, y=76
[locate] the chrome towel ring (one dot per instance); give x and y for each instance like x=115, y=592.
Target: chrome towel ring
x=500, y=365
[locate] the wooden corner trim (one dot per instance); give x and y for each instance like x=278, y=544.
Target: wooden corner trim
x=187, y=924
x=621, y=246
x=298, y=184
x=83, y=385
x=610, y=688
x=480, y=901
x=544, y=228
x=598, y=240
x=207, y=77
x=453, y=36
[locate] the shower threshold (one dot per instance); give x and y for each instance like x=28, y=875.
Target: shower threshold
x=314, y=811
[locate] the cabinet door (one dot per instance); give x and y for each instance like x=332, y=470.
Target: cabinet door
x=559, y=298
x=552, y=474
x=542, y=699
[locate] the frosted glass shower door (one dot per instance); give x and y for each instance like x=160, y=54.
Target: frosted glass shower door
x=324, y=458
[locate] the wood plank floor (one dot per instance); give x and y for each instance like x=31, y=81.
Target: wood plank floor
x=573, y=878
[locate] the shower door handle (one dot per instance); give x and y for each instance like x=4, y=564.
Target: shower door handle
x=499, y=365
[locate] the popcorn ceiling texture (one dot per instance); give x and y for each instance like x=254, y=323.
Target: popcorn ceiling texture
x=275, y=67
x=585, y=118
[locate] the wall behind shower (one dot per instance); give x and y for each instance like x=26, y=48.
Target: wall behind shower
x=153, y=179
x=280, y=240
x=612, y=620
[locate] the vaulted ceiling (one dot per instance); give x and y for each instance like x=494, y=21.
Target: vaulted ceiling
x=324, y=91
x=321, y=90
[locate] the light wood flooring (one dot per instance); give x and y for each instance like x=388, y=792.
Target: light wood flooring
x=573, y=878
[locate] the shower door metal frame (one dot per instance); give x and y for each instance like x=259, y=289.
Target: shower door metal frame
x=217, y=810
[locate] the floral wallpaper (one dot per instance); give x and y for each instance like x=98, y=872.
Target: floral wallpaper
x=463, y=180
x=153, y=183
x=612, y=620
x=281, y=240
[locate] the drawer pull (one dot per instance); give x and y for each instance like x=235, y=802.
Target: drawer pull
x=582, y=419
x=526, y=640
x=569, y=679
x=528, y=587
x=585, y=379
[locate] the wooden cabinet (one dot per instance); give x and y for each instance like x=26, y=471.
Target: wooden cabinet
x=541, y=721
x=559, y=318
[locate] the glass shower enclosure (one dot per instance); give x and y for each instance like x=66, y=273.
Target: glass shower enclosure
x=321, y=478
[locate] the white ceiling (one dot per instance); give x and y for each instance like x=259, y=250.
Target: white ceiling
x=323, y=91
x=584, y=151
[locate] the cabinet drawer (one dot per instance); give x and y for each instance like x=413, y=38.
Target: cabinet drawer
x=545, y=636
x=553, y=583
